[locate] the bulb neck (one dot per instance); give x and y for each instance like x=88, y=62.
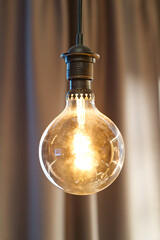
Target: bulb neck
x=79, y=100
x=79, y=84
x=76, y=93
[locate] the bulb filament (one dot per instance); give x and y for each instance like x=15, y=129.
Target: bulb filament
x=81, y=111
x=83, y=154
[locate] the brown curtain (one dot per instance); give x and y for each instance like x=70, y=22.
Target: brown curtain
x=33, y=34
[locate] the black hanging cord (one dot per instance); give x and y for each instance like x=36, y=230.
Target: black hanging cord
x=79, y=16
x=79, y=37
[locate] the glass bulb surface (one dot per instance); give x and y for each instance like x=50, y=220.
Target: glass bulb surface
x=81, y=151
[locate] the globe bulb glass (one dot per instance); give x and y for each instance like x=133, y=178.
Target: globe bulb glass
x=81, y=151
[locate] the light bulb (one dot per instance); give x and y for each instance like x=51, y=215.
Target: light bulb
x=81, y=151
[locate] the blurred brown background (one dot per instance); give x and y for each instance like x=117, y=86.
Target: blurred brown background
x=33, y=34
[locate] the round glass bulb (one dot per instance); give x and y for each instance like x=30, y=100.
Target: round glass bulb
x=81, y=151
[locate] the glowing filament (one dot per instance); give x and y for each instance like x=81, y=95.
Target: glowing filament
x=81, y=111
x=81, y=149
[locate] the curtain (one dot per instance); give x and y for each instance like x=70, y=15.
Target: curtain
x=126, y=83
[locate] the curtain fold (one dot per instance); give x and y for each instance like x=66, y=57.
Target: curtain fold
x=33, y=34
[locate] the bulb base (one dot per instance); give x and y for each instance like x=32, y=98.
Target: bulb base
x=79, y=84
x=80, y=88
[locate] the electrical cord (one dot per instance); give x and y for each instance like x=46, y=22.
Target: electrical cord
x=79, y=36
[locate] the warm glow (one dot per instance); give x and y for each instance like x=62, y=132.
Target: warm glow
x=83, y=154
x=81, y=111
